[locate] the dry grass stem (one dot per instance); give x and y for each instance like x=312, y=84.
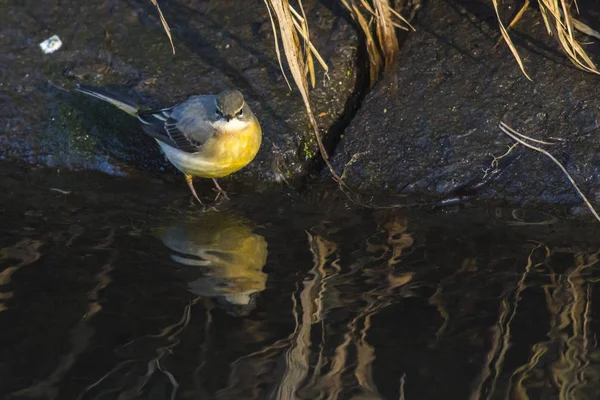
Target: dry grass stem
x=520, y=138
x=297, y=65
x=385, y=32
x=378, y=27
x=563, y=28
x=372, y=50
x=277, y=50
x=515, y=20
x=164, y=23
x=302, y=27
x=519, y=15
x=509, y=42
x=583, y=28
x=558, y=20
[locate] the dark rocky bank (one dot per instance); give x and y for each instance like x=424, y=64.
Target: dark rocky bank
x=121, y=45
x=430, y=127
x=433, y=125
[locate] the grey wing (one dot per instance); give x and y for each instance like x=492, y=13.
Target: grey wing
x=185, y=127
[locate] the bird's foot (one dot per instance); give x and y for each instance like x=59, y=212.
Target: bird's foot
x=220, y=191
x=221, y=194
x=188, y=179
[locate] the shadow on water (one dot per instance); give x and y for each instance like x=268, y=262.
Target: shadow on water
x=119, y=289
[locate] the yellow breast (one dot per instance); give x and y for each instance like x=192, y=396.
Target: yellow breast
x=221, y=156
x=232, y=151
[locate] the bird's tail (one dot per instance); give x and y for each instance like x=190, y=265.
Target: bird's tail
x=116, y=100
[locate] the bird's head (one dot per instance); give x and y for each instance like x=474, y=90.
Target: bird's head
x=231, y=111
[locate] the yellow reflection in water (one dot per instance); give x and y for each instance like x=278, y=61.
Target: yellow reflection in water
x=219, y=256
x=230, y=256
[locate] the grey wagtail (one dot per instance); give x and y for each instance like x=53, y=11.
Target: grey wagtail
x=209, y=136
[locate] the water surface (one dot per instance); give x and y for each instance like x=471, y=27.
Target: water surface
x=114, y=288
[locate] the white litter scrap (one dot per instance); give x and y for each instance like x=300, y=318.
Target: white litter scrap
x=51, y=44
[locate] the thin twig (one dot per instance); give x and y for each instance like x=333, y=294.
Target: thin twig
x=495, y=161
x=527, y=137
x=508, y=130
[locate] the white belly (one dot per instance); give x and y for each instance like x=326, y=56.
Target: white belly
x=198, y=164
x=186, y=162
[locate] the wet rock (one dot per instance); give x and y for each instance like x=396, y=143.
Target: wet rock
x=433, y=125
x=121, y=45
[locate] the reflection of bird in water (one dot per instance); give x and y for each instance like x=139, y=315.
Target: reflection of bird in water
x=223, y=258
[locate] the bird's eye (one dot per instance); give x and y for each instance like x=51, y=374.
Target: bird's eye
x=240, y=113
x=218, y=113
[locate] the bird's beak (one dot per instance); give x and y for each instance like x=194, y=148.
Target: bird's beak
x=228, y=117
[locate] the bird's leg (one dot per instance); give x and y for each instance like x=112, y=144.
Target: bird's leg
x=188, y=179
x=220, y=191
